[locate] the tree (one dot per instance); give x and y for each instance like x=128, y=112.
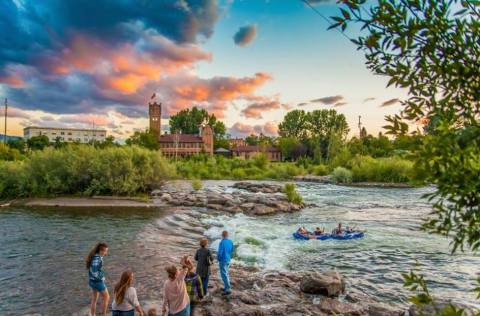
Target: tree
x=294, y=124
x=147, y=139
x=323, y=123
x=38, y=142
x=188, y=121
x=259, y=140
x=431, y=48
x=18, y=144
x=291, y=148
x=58, y=143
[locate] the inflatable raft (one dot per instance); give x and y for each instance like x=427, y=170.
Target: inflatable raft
x=344, y=236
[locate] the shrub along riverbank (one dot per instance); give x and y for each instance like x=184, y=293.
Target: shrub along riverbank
x=84, y=170
x=131, y=170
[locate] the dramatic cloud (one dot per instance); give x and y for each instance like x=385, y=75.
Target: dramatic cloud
x=255, y=110
x=369, y=99
x=390, y=102
x=76, y=57
x=14, y=113
x=303, y=104
x=328, y=100
x=338, y=104
x=213, y=94
x=242, y=130
x=71, y=63
x=245, y=35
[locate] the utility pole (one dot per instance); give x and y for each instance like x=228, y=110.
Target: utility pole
x=6, y=109
x=360, y=127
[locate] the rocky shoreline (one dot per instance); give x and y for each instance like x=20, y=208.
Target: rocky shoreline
x=286, y=294
x=234, y=202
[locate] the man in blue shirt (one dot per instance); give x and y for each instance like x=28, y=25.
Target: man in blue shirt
x=224, y=255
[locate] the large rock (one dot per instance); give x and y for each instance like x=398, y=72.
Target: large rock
x=263, y=210
x=335, y=307
x=328, y=284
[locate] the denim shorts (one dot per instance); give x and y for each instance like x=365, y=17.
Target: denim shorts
x=122, y=313
x=97, y=286
x=184, y=312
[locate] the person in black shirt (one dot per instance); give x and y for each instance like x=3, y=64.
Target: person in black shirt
x=204, y=259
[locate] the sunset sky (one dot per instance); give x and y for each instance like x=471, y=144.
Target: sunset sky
x=72, y=63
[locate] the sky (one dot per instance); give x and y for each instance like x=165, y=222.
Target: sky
x=97, y=63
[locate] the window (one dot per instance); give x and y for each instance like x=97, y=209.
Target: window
x=69, y=133
x=69, y=139
x=53, y=133
x=62, y=133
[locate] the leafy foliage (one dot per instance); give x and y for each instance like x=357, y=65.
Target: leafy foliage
x=342, y=175
x=147, y=139
x=84, y=169
x=431, y=48
x=218, y=167
x=196, y=184
x=292, y=195
x=38, y=142
x=189, y=120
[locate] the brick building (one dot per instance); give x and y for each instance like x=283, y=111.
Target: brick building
x=247, y=152
x=180, y=145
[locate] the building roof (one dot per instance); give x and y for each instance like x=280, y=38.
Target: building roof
x=256, y=148
x=222, y=150
x=66, y=129
x=182, y=138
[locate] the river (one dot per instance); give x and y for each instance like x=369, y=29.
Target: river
x=42, y=251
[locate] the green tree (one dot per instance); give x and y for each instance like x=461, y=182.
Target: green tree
x=188, y=121
x=38, y=142
x=431, y=48
x=323, y=123
x=147, y=139
x=18, y=144
x=294, y=124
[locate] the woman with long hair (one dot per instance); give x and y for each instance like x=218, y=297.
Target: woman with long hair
x=125, y=300
x=96, y=277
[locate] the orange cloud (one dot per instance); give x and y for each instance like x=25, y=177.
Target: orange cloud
x=12, y=81
x=256, y=110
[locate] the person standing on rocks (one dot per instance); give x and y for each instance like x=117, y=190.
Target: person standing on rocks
x=96, y=277
x=224, y=255
x=204, y=259
x=175, y=295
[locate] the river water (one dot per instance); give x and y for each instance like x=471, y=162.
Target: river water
x=42, y=251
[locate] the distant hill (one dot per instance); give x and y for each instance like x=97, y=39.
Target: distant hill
x=9, y=138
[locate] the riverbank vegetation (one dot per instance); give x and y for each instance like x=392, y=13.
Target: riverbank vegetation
x=84, y=170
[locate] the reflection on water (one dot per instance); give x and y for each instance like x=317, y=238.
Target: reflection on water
x=42, y=251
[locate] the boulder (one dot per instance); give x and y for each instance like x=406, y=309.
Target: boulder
x=263, y=210
x=335, y=307
x=328, y=284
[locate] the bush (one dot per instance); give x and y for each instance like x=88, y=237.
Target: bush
x=83, y=169
x=319, y=170
x=342, y=175
x=292, y=195
x=392, y=169
x=196, y=184
x=235, y=168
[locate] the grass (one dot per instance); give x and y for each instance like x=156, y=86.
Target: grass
x=292, y=195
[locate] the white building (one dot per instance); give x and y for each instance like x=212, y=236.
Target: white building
x=79, y=135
